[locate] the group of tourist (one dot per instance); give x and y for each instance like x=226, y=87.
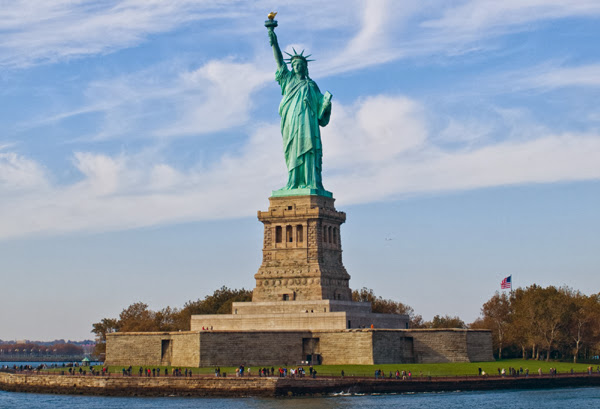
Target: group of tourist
x=155, y=372
x=40, y=367
x=282, y=372
x=520, y=372
x=24, y=367
x=380, y=374
x=511, y=371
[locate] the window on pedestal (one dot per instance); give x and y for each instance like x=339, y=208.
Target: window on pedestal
x=278, y=234
x=324, y=234
x=286, y=297
x=329, y=234
x=289, y=237
x=335, y=235
x=299, y=233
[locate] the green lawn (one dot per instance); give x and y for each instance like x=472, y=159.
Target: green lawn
x=451, y=369
x=447, y=369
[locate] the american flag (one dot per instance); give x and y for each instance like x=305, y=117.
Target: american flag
x=506, y=283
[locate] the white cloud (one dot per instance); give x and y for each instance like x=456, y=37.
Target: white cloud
x=388, y=31
x=473, y=16
x=379, y=31
x=37, y=32
x=218, y=97
x=557, y=77
x=18, y=173
x=125, y=192
x=377, y=148
x=375, y=129
x=466, y=131
x=214, y=97
x=49, y=31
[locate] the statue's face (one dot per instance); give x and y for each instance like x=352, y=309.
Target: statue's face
x=299, y=67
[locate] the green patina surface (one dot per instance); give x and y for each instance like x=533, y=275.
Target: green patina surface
x=301, y=192
x=303, y=110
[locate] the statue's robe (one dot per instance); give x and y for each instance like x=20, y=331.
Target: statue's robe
x=302, y=110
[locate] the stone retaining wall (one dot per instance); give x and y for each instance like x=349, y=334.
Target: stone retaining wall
x=208, y=386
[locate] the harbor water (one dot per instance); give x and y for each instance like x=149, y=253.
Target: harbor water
x=581, y=398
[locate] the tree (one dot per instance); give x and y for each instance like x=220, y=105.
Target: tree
x=105, y=326
x=496, y=315
x=68, y=349
x=584, y=314
x=523, y=324
x=550, y=320
x=387, y=306
x=217, y=303
x=167, y=319
x=552, y=315
x=445, y=322
x=137, y=318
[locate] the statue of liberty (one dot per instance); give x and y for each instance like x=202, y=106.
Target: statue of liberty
x=302, y=109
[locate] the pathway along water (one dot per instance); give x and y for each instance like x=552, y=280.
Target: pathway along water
x=98, y=384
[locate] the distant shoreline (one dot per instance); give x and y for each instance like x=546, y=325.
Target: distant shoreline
x=273, y=386
x=11, y=359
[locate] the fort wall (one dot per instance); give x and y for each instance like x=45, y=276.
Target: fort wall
x=153, y=348
x=278, y=347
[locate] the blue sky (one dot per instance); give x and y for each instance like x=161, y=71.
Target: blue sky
x=139, y=138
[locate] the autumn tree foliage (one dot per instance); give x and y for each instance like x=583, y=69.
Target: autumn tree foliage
x=537, y=322
x=387, y=306
x=138, y=317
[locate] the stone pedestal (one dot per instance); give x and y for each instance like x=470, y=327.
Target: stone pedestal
x=302, y=251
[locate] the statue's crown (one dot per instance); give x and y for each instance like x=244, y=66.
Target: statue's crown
x=300, y=56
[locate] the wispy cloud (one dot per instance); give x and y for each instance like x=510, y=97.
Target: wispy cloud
x=480, y=16
x=167, y=101
x=218, y=97
x=18, y=173
x=38, y=32
x=379, y=148
x=557, y=77
x=4, y=146
x=41, y=32
x=385, y=145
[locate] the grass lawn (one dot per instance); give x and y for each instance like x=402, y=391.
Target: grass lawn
x=446, y=369
x=451, y=369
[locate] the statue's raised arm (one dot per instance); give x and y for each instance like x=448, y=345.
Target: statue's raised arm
x=271, y=23
x=303, y=110
x=276, y=50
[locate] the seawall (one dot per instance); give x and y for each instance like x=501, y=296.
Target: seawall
x=256, y=386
